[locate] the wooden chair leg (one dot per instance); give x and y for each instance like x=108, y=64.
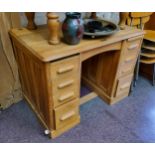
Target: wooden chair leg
x=131, y=87
x=137, y=67
x=153, y=77
x=136, y=74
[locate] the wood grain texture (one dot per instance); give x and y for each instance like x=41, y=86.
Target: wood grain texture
x=150, y=25
x=66, y=114
x=54, y=28
x=37, y=43
x=137, y=21
x=51, y=74
x=140, y=14
x=33, y=75
x=107, y=73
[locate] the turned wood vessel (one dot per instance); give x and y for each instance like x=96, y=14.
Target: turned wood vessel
x=54, y=28
x=30, y=18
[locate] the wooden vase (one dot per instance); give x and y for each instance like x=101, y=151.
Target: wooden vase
x=123, y=18
x=93, y=15
x=30, y=18
x=54, y=28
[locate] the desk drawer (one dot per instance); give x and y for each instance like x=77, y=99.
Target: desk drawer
x=60, y=84
x=132, y=49
x=127, y=66
x=134, y=43
x=65, y=75
x=66, y=94
x=65, y=68
x=129, y=56
x=123, y=85
x=66, y=114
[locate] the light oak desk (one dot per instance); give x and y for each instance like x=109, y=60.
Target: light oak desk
x=51, y=74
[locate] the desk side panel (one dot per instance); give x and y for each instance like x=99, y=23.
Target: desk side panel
x=35, y=78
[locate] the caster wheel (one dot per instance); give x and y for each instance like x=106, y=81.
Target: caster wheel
x=46, y=132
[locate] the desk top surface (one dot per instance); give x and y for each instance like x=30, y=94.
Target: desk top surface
x=37, y=42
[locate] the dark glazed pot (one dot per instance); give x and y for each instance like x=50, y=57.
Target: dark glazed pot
x=73, y=28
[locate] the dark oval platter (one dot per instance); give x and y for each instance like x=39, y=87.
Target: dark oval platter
x=98, y=27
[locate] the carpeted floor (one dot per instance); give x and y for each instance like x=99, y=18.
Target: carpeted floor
x=131, y=120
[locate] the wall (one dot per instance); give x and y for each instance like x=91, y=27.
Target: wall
x=10, y=89
x=41, y=17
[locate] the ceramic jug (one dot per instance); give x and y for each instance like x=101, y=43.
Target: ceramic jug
x=72, y=28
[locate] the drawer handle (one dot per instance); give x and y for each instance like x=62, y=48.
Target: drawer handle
x=67, y=96
x=129, y=60
x=68, y=115
x=65, y=69
x=135, y=38
x=125, y=86
x=132, y=47
x=65, y=84
x=126, y=71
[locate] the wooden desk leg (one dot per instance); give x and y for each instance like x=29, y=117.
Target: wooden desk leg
x=54, y=28
x=30, y=18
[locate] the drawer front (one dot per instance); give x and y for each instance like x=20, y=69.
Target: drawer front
x=127, y=66
x=129, y=56
x=123, y=85
x=66, y=114
x=65, y=68
x=61, y=84
x=65, y=95
x=134, y=43
x=65, y=75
